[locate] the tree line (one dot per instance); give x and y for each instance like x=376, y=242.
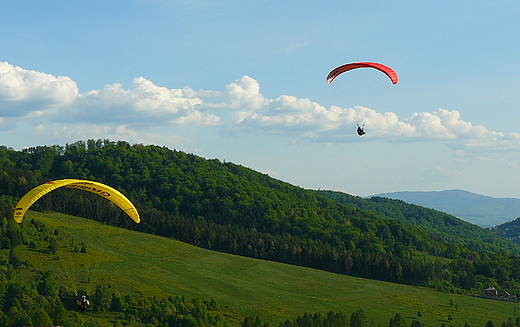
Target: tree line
x=357, y=319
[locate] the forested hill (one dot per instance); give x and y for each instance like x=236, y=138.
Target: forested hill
x=442, y=226
x=229, y=208
x=509, y=230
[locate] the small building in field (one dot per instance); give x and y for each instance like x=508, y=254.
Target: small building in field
x=490, y=293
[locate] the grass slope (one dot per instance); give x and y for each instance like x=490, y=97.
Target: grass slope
x=137, y=262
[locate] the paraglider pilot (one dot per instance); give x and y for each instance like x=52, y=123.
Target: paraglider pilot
x=361, y=130
x=83, y=303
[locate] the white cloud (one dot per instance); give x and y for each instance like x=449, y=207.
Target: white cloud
x=36, y=96
x=143, y=103
x=288, y=115
x=244, y=94
x=23, y=91
x=188, y=92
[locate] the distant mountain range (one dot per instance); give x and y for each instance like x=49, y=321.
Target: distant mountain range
x=484, y=211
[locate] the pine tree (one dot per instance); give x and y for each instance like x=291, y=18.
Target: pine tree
x=41, y=318
x=397, y=321
x=358, y=319
x=60, y=316
x=13, y=259
x=102, y=298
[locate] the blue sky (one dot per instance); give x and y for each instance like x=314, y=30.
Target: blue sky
x=244, y=81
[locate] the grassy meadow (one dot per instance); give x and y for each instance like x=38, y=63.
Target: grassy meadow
x=135, y=262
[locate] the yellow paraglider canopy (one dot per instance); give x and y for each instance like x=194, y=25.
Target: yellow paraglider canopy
x=97, y=188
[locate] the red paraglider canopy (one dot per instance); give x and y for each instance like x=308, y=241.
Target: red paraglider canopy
x=341, y=69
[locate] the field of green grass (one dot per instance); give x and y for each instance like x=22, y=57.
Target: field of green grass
x=136, y=262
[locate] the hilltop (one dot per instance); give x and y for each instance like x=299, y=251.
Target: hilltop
x=484, y=211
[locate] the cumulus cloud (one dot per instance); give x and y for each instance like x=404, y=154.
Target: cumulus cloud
x=36, y=95
x=23, y=91
x=143, y=103
x=288, y=115
x=244, y=94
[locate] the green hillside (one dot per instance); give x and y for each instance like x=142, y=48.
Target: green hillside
x=156, y=266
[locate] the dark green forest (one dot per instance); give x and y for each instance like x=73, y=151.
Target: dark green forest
x=230, y=208
x=357, y=319
x=441, y=226
x=509, y=230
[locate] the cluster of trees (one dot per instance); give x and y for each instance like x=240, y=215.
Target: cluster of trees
x=357, y=319
x=441, y=226
x=229, y=208
x=509, y=230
